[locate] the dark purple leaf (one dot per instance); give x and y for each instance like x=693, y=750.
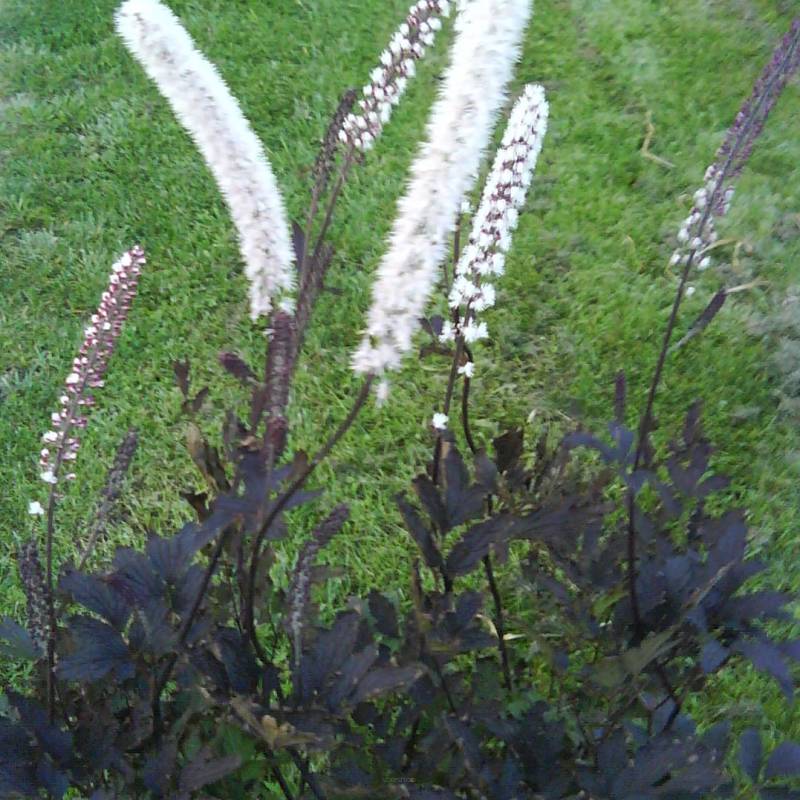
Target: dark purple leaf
x=237, y=367
x=181, y=370
x=713, y=656
x=476, y=543
x=99, y=649
x=766, y=657
x=158, y=769
x=203, y=770
x=328, y=654
x=97, y=595
x=16, y=642
x=53, y=780
x=466, y=741
x=750, y=753
x=508, y=449
x=583, y=439
x=54, y=741
x=431, y=501
x=485, y=472
x=384, y=614
x=383, y=680
x=757, y=605
x=612, y=755
x=420, y=533
x=462, y=500
x=791, y=649
x=467, y=606
x=783, y=761
x=233, y=650
x=353, y=670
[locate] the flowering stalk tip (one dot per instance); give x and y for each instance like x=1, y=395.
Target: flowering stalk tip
x=486, y=46
x=388, y=80
x=698, y=231
x=497, y=215
x=88, y=369
x=211, y=115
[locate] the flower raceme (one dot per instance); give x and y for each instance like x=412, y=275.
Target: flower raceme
x=486, y=46
x=698, y=231
x=497, y=215
x=398, y=64
x=61, y=442
x=208, y=111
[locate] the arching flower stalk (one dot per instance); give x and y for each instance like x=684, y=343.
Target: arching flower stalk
x=486, y=46
x=496, y=219
x=698, y=231
x=388, y=80
x=210, y=114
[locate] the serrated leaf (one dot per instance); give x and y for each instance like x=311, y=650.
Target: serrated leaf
x=16, y=642
x=328, y=653
x=353, y=670
x=384, y=680
x=233, y=650
x=97, y=595
x=766, y=657
x=783, y=761
x=99, y=650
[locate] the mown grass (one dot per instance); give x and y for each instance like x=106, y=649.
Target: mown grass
x=92, y=160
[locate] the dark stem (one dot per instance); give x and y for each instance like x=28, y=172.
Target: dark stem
x=487, y=561
x=51, y=607
x=646, y=421
x=280, y=504
x=166, y=673
x=445, y=688
x=448, y=398
x=465, y=413
x=308, y=775
x=411, y=745
x=312, y=213
x=498, y=622
x=285, y=790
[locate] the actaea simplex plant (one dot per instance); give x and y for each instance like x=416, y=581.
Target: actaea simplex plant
x=185, y=670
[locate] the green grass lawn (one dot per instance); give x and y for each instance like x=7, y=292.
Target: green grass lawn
x=92, y=160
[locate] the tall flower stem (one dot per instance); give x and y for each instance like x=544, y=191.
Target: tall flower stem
x=280, y=505
x=772, y=81
x=88, y=369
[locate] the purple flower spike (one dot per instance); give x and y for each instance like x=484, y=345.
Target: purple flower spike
x=89, y=366
x=698, y=233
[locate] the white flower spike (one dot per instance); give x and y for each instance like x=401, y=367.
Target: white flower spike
x=206, y=108
x=486, y=46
